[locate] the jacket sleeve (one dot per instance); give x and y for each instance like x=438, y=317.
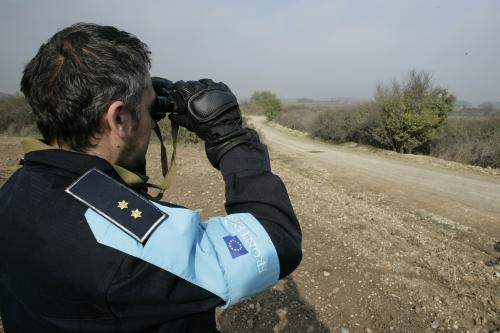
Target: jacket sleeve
x=208, y=257
x=252, y=188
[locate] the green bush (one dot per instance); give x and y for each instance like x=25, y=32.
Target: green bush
x=411, y=113
x=265, y=102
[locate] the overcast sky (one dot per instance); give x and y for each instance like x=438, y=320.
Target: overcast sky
x=296, y=48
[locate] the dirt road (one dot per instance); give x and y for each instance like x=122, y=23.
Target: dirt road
x=376, y=257
x=462, y=196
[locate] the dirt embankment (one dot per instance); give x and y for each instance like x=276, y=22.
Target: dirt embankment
x=372, y=263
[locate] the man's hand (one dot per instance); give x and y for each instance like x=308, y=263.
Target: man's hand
x=211, y=111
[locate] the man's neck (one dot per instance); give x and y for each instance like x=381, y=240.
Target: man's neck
x=100, y=150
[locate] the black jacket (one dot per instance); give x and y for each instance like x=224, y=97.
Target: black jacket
x=55, y=277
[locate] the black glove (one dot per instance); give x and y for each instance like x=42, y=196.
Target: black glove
x=211, y=111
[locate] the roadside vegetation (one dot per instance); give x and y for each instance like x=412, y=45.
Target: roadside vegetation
x=408, y=116
x=469, y=140
x=264, y=103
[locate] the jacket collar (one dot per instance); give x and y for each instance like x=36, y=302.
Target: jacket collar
x=38, y=152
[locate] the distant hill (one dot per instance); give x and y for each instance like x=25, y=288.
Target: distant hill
x=460, y=104
x=463, y=104
x=475, y=112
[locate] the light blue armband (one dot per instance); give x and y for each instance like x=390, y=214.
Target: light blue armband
x=232, y=256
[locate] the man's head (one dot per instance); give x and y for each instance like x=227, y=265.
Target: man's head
x=90, y=90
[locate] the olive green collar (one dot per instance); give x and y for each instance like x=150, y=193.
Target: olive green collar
x=130, y=178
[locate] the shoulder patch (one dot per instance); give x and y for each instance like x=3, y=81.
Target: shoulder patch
x=129, y=211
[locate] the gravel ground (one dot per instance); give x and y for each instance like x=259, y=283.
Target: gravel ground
x=370, y=264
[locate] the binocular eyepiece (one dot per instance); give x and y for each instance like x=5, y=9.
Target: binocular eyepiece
x=165, y=98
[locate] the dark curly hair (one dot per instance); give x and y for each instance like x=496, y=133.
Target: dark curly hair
x=77, y=74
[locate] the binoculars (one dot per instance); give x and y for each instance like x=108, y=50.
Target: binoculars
x=165, y=98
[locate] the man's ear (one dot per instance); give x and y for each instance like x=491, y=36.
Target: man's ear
x=117, y=120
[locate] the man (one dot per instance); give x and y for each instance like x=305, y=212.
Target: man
x=84, y=248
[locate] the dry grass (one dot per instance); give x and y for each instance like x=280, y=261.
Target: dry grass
x=470, y=140
x=16, y=117
x=298, y=119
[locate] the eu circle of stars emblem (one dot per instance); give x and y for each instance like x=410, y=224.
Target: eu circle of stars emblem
x=234, y=246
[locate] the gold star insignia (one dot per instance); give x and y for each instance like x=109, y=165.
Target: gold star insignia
x=122, y=204
x=136, y=214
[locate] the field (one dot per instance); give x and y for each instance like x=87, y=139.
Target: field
x=373, y=262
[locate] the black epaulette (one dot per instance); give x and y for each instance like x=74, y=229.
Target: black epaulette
x=128, y=210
